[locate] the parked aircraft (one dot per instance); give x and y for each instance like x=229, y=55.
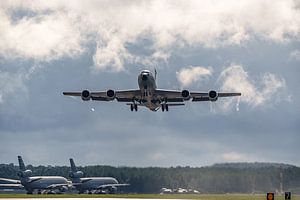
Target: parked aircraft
x=92, y=184
x=149, y=96
x=45, y=184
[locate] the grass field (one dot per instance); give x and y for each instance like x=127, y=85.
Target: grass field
x=156, y=196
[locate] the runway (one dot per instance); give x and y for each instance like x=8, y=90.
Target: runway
x=85, y=198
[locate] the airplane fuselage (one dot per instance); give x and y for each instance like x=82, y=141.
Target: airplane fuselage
x=42, y=182
x=147, y=85
x=93, y=183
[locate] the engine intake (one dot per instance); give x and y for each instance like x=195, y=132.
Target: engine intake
x=213, y=95
x=77, y=174
x=185, y=94
x=85, y=95
x=111, y=94
x=26, y=173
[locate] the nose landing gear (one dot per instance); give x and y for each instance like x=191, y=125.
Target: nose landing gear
x=133, y=107
x=164, y=107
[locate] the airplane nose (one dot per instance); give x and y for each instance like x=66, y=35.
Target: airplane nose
x=144, y=77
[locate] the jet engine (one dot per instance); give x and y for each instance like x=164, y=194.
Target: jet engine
x=185, y=94
x=77, y=174
x=213, y=95
x=111, y=95
x=26, y=173
x=85, y=95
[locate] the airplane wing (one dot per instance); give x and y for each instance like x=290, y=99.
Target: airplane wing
x=9, y=181
x=120, y=95
x=112, y=185
x=11, y=186
x=180, y=96
x=57, y=186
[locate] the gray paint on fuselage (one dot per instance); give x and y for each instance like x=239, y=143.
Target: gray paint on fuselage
x=147, y=85
x=90, y=183
x=43, y=182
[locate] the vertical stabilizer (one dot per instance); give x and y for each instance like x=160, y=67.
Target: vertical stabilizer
x=73, y=166
x=21, y=163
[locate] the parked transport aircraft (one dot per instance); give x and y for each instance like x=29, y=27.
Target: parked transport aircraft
x=92, y=184
x=149, y=96
x=43, y=184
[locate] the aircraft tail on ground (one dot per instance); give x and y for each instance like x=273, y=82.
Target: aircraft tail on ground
x=74, y=174
x=73, y=166
x=21, y=163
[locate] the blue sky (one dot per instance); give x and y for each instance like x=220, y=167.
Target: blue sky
x=252, y=47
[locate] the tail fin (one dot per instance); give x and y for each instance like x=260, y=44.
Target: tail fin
x=73, y=166
x=21, y=163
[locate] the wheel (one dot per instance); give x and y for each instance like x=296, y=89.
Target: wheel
x=163, y=107
x=135, y=107
x=167, y=107
x=131, y=107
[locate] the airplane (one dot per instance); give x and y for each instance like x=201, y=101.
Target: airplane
x=149, y=96
x=47, y=184
x=92, y=184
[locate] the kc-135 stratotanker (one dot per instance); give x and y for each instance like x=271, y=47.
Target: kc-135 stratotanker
x=149, y=96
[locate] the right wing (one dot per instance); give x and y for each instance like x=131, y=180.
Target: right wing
x=109, y=95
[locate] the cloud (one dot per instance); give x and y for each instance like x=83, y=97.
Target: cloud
x=41, y=36
x=193, y=74
x=62, y=28
x=255, y=92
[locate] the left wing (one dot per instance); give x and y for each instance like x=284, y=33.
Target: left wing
x=57, y=186
x=112, y=185
x=180, y=96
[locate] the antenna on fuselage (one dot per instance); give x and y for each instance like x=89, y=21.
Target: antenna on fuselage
x=155, y=73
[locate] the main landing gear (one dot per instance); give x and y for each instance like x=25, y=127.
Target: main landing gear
x=164, y=107
x=133, y=107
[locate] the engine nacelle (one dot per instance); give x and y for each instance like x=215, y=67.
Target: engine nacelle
x=185, y=94
x=85, y=95
x=213, y=95
x=26, y=173
x=111, y=94
x=77, y=174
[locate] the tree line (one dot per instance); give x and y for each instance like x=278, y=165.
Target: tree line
x=219, y=178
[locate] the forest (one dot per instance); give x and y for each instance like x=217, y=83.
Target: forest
x=218, y=178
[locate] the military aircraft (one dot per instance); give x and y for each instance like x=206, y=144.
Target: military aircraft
x=92, y=184
x=45, y=184
x=149, y=96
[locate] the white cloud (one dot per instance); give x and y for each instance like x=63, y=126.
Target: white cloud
x=60, y=27
x=255, y=92
x=193, y=74
x=41, y=37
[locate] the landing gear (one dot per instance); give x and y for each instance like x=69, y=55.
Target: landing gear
x=165, y=107
x=29, y=192
x=133, y=107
